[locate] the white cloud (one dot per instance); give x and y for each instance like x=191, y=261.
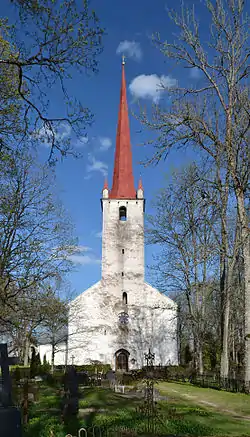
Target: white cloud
x=195, y=73
x=80, y=142
x=80, y=255
x=131, y=49
x=105, y=143
x=84, y=259
x=79, y=249
x=64, y=131
x=96, y=165
x=150, y=86
x=44, y=135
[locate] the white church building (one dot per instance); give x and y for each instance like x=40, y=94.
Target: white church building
x=120, y=317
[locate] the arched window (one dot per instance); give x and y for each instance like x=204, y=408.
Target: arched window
x=123, y=213
x=125, y=298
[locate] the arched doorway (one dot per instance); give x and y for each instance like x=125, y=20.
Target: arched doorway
x=121, y=360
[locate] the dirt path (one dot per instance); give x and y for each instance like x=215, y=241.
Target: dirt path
x=210, y=404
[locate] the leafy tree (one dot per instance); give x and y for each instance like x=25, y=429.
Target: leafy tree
x=35, y=363
x=213, y=114
x=10, y=105
x=191, y=225
x=51, y=40
x=54, y=324
x=35, y=238
x=181, y=226
x=45, y=366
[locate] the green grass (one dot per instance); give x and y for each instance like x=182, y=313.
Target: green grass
x=104, y=408
x=238, y=402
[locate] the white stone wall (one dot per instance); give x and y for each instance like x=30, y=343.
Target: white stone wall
x=60, y=354
x=119, y=236
x=97, y=334
x=94, y=330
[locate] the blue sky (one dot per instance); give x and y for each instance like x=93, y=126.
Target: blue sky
x=129, y=25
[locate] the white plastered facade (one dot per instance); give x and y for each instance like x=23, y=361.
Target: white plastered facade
x=149, y=317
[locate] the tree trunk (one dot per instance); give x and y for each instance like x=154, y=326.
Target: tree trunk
x=26, y=350
x=227, y=295
x=224, y=367
x=198, y=355
x=53, y=358
x=200, y=359
x=246, y=279
x=247, y=309
x=66, y=353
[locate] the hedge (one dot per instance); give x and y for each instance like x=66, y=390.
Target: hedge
x=20, y=372
x=93, y=368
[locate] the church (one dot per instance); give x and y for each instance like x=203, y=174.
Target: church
x=120, y=317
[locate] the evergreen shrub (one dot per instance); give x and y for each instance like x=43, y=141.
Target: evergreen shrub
x=92, y=368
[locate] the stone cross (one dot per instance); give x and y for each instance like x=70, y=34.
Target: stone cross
x=5, y=362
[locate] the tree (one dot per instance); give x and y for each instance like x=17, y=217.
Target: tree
x=181, y=225
x=50, y=41
x=10, y=105
x=45, y=366
x=35, y=363
x=54, y=325
x=214, y=115
x=35, y=237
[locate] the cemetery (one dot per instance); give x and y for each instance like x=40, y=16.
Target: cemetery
x=75, y=403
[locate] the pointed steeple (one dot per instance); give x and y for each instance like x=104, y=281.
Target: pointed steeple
x=123, y=179
x=105, y=186
x=140, y=186
x=105, y=190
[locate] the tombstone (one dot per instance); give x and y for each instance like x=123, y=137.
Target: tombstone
x=10, y=417
x=70, y=402
x=110, y=375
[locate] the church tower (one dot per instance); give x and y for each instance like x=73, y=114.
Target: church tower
x=121, y=316
x=123, y=217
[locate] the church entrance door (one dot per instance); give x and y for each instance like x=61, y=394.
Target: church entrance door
x=121, y=361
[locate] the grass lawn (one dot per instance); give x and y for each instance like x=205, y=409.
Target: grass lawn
x=238, y=402
x=104, y=408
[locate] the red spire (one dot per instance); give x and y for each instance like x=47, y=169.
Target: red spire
x=140, y=186
x=105, y=186
x=123, y=179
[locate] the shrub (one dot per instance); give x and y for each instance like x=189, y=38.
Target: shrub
x=54, y=380
x=177, y=372
x=126, y=378
x=16, y=374
x=92, y=368
x=20, y=372
x=35, y=363
x=45, y=367
x=43, y=425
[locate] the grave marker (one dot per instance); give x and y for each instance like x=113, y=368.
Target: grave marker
x=5, y=362
x=71, y=403
x=10, y=417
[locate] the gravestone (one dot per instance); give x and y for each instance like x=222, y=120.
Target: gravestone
x=10, y=417
x=110, y=375
x=70, y=402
